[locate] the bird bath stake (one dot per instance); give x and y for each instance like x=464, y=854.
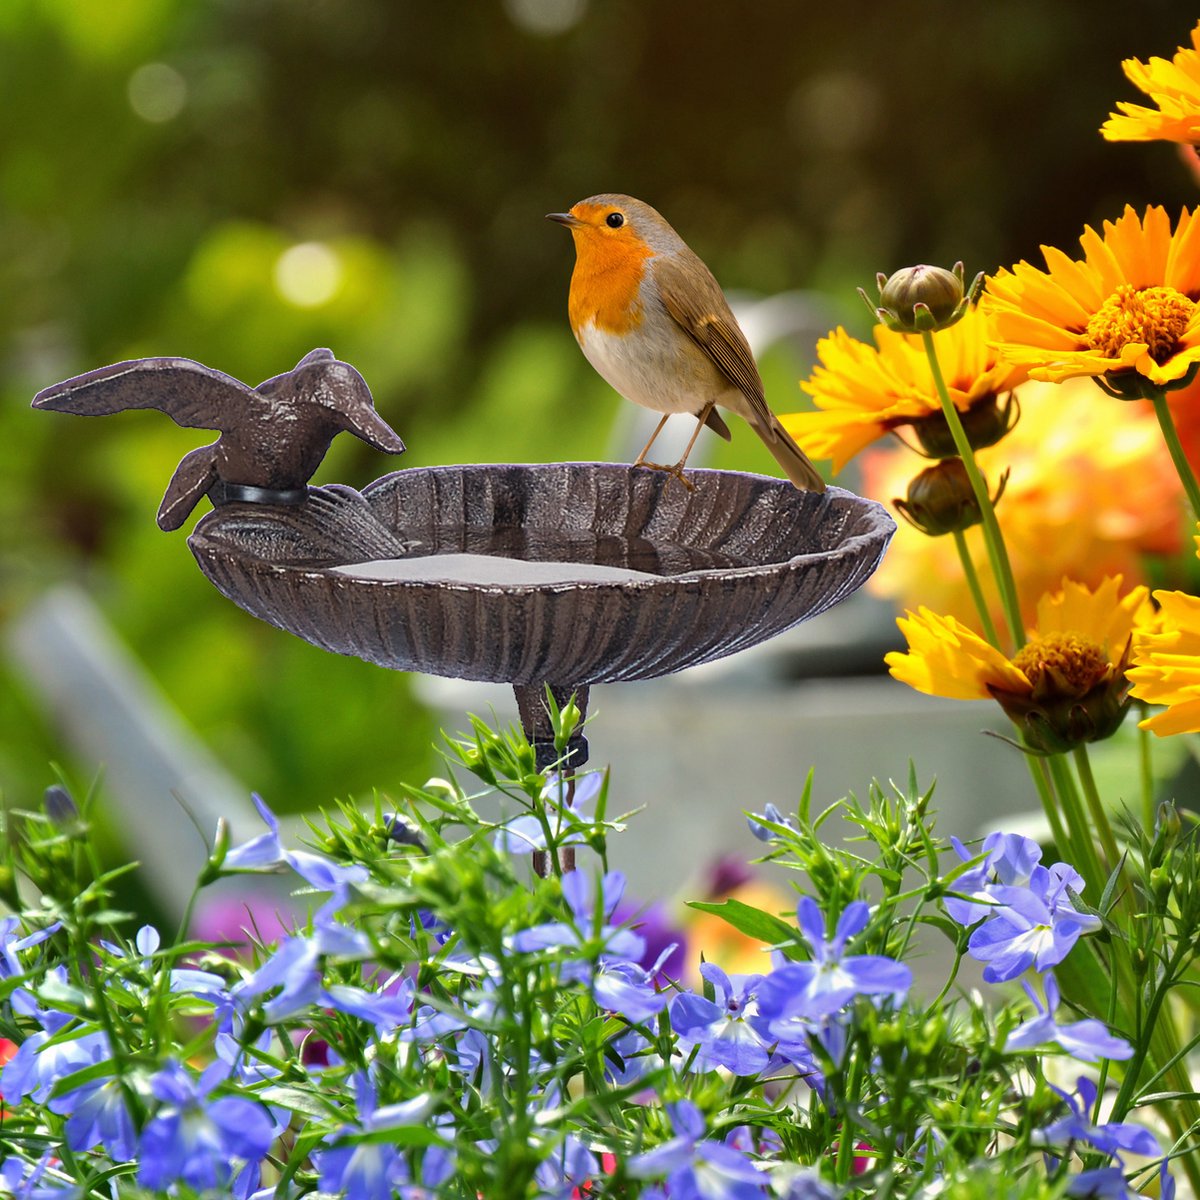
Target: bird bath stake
x=558, y=575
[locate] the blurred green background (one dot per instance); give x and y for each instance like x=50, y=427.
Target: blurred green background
x=238, y=181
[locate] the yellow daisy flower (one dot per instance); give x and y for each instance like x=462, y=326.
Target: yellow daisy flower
x=864, y=392
x=1124, y=311
x=1066, y=686
x=1091, y=493
x=1166, y=664
x=1174, y=86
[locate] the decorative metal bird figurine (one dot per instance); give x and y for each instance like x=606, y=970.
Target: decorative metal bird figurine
x=273, y=437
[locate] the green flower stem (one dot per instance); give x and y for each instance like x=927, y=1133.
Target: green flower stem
x=1184, y=469
x=972, y=578
x=1083, y=764
x=1146, y=770
x=1082, y=847
x=992, y=536
x=1041, y=780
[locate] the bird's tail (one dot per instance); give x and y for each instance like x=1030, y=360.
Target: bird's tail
x=790, y=457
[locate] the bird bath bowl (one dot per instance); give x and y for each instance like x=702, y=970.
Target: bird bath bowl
x=544, y=577
x=563, y=574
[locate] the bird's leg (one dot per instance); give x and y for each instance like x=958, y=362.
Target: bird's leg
x=676, y=470
x=640, y=461
x=701, y=417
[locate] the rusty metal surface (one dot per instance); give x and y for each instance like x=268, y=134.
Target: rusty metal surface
x=738, y=560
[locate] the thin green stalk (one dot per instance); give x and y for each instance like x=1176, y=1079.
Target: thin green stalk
x=1041, y=780
x=1103, y=827
x=992, y=536
x=1183, y=468
x=1083, y=849
x=972, y=578
x=1146, y=770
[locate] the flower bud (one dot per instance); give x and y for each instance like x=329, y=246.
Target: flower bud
x=922, y=299
x=63, y=813
x=984, y=423
x=1168, y=820
x=940, y=500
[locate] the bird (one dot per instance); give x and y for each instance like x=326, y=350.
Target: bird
x=653, y=321
x=273, y=437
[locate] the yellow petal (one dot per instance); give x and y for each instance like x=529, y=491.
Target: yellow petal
x=945, y=658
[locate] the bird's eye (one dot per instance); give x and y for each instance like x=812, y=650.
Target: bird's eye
x=615, y=220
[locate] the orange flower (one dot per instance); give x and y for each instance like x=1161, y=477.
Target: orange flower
x=1066, y=686
x=1174, y=87
x=864, y=392
x=1091, y=491
x=1126, y=311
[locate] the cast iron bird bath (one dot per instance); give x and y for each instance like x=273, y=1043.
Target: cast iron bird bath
x=560, y=575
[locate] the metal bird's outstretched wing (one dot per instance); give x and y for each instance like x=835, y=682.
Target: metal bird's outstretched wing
x=190, y=393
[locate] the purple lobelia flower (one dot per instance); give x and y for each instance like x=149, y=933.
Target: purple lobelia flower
x=526, y=833
x=1009, y=862
x=35, y=1180
x=1089, y=1040
x=696, y=1168
x=832, y=978
x=193, y=1139
x=1034, y=926
x=267, y=851
x=720, y=1030
x=772, y=814
x=375, y=1170
x=590, y=926
x=51, y=1053
x=1077, y=1126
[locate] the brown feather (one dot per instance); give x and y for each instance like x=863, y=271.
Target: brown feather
x=696, y=303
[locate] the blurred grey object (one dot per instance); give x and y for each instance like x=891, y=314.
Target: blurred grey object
x=112, y=716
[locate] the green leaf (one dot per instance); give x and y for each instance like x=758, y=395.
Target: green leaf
x=748, y=920
x=296, y=1099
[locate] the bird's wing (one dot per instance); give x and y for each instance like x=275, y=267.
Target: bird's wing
x=695, y=301
x=190, y=393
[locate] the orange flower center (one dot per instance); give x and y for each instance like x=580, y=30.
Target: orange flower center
x=1155, y=317
x=1066, y=663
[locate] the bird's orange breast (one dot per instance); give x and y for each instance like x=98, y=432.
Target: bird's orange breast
x=606, y=283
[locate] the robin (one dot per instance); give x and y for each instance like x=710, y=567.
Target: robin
x=650, y=317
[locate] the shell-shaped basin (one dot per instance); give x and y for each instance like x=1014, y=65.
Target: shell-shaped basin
x=568, y=573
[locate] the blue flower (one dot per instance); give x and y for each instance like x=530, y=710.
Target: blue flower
x=51, y=1053
x=769, y=813
x=1087, y=1040
x=1101, y=1183
x=720, y=1031
x=363, y=1170
x=696, y=1168
x=267, y=851
x=1009, y=862
x=296, y=969
x=98, y=1115
x=11, y=944
x=1034, y=926
x=1111, y=1138
x=628, y=989
x=192, y=1139
x=32, y=1181
x=569, y=1165
x=589, y=928
x=566, y=816
x=833, y=978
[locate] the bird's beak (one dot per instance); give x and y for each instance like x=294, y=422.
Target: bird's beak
x=564, y=219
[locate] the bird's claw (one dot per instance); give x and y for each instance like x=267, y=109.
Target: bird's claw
x=674, y=470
